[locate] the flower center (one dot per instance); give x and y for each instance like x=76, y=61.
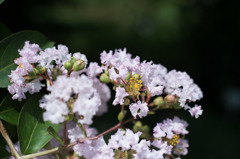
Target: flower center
x=135, y=84
x=174, y=141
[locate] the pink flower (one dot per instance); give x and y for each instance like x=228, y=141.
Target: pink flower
x=180, y=84
x=181, y=147
x=196, y=111
x=124, y=139
x=93, y=70
x=120, y=94
x=140, y=109
x=170, y=127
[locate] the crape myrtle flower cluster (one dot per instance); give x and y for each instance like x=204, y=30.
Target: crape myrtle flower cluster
x=167, y=141
x=134, y=79
x=78, y=91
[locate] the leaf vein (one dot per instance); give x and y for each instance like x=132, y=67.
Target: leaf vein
x=32, y=134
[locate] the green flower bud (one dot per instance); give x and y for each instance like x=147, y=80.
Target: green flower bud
x=70, y=103
x=78, y=65
x=104, y=78
x=144, y=136
x=68, y=65
x=121, y=115
x=73, y=59
x=128, y=76
x=145, y=128
x=41, y=69
x=158, y=101
x=126, y=101
x=56, y=72
x=137, y=76
x=33, y=73
x=170, y=98
x=177, y=106
x=138, y=126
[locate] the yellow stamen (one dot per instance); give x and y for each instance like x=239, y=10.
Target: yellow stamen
x=20, y=64
x=136, y=83
x=174, y=141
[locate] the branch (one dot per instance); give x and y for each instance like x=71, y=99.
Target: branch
x=47, y=152
x=8, y=140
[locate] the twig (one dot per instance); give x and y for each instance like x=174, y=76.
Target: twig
x=8, y=140
x=65, y=133
x=47, y=152
x=148, y=97
x=51, y=82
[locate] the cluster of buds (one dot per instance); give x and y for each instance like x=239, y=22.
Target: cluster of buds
x=74, y=65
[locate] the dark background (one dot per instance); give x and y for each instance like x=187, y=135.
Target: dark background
x=200, y=37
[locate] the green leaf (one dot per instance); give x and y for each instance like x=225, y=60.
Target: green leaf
x=1, y=1
x=9, y=51
x=4, y=31
x=32, y=130
x=4, y=153
x=52, y=132
x=9, y=110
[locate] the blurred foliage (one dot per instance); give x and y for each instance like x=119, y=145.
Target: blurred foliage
x=200, y=37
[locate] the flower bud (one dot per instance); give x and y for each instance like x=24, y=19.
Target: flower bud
x=138, y=126
x=41, y=69
x=177, y=106
x=121, y=115
x=158, y=101
x=78, y=65
x=144, y=136
x=73, y=59
x=128, y=76
x=104, y=78
x=137, y=76
x=68, y=65
x=126, y=101
x=170, y=98
x=56, y=72
x=33, y=73
x=145, y=128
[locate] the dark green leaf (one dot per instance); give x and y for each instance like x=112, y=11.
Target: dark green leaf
x=52, y=132
x=9, y=110
x=32, y=130
x=1, y=1
x=9, y=51
x=3, y=92
x=4, y=31
x=4, y=153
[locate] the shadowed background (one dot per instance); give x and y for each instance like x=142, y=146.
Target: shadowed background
x=200, y=37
